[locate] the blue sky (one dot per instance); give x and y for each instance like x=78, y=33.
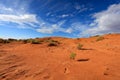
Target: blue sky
x=67, y=18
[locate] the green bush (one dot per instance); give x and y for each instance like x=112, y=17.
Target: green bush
x=72, y=55
x=80, y=46
x=53, y=43
x=32, y=41
x=35, y=41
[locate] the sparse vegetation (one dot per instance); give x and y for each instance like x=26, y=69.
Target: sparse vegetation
x=53, y=43
x=11, y=40
x=24, y=41
x=72, y=55
x=4, y=41
x=80, y=46
x=1, y=40
x=34, y=41
x=29, y=40
x=99, y=38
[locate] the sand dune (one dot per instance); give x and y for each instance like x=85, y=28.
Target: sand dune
x=96, y=60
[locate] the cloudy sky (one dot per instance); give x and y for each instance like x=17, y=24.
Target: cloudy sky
x=67, y=18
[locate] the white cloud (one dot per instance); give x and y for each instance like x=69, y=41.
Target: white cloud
x=51, y=28
x=4, y=9
x=17, y=14
x=65, y=15
x=48, y=30
x=15, y=7
x=83, y=9
x=26, y=20
x=69, y=30
x=48, y=13
x=107, y=21
x=20, y=19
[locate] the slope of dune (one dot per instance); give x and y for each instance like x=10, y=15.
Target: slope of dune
x=97, y=60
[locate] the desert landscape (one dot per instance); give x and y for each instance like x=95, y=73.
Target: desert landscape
x=59, y=39
x=60, y=58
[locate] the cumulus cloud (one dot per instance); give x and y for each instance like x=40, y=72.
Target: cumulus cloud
x=107, y=21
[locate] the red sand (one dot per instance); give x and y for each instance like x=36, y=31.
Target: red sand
x=20, y=61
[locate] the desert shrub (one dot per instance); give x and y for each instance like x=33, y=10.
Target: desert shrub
x=10, y=39
x=24, y=41
x=53, y=43
x=20, y=40
x=1, y=40
x=37, y=38
x=100, y=38
x=29, y=40
x=34, y=41
x=80, y=46
x=6, y=41
x=72, y=55
x=48, y=39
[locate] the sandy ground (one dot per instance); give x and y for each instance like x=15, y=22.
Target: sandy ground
x=20, y=61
